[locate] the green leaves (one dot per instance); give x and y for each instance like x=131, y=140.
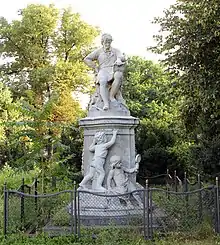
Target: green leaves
x=190, y=41
x=42, y=70
x=152, y=96
x=149, y=89
x=47, y=47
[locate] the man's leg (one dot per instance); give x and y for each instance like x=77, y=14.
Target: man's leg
x=115, y=85
x=104, y=92
x=119, y=97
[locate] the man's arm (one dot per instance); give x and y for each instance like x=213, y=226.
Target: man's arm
x=120, y=58
x=109, y=179
x=89, y=60
x=112, y=141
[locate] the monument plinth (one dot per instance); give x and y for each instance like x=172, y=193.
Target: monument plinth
x=124, y=145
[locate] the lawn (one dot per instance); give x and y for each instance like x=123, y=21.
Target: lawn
x=107, y=238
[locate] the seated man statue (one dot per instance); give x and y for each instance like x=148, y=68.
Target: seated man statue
x=100, y=148
x=118, y=174
x=108, y=64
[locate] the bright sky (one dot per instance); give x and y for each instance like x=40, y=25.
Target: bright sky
x=129, y=21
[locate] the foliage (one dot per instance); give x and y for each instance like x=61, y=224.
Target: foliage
x=46, y=47
x=9, y=112
x=189, y=39
x=121, y=239
x=13, y=178
x=72, y=138
x=151, y=96
x=42, y=55
x=148, y=89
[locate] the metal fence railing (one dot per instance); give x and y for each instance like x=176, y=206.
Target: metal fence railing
x=147, y=210
x=172, y=182
x=31, y=213
x=169, y=181
x=42, y=185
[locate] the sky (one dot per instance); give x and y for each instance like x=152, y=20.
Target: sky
x=128, y=21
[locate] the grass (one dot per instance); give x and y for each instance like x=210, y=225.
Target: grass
x=106, y=239
x=204, y=235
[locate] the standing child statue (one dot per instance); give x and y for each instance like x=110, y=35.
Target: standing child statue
x=100, y=148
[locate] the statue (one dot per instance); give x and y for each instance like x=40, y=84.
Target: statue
x=108, y=64
x=100, y=148
x=120, y=176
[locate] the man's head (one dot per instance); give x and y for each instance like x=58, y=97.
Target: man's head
x=115, y=161
x=106, y=41
x=100, y=137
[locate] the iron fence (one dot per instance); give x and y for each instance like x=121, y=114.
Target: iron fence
x=43, y=185
x=147, y=210
x=169, y=181
x=33, y=214
x=173, y=182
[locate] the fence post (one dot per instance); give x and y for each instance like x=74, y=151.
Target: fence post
x=146, y=209
x=78, y=213
x=200, y=197
x=151, y=213
x=175, y=181
x=5, y=210
x=35, y=193
x=217, y=206
x=167, y=184
x=186, y=189
x=71, y=212
x=185, y=182
x=22, y=204
x=75, y=208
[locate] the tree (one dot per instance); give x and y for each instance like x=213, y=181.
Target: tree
x=9, y=115
x=43, y=65
x=44, y=51
x=151, y=96
x=190, y=41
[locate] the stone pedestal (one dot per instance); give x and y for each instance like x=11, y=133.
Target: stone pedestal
x=125, y=141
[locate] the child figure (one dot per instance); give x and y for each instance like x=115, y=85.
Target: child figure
x=100, y=148
x=122, y=184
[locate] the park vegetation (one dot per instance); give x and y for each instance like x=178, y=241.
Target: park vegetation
x=177, y=100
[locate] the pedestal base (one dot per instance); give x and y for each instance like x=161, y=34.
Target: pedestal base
x=125, y=140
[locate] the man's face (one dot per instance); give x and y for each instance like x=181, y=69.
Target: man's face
x=107, y=44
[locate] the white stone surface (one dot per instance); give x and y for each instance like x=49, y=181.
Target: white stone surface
x=124, y=145
x=108, y=64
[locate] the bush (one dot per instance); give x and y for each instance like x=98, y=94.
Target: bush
x=13, y=177
x=107, y=237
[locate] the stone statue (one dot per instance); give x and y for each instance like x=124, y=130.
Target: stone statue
x=118, y=181
x=100, y=148
x=108, y=64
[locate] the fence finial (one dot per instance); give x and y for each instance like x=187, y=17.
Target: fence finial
x=147, y=183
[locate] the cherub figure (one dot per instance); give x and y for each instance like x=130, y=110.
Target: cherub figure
x=100, y=148
x=119, y=175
